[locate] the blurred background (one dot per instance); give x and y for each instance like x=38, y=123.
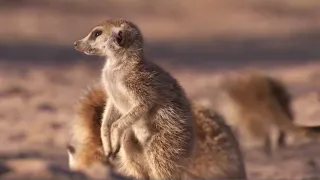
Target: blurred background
x=42, y=76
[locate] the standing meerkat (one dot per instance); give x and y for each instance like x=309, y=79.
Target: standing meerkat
x=217, y=153
x=150, y=101
x=258, y=107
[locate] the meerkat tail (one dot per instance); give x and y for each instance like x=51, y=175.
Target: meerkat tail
x=90, y=110
x=86, y=126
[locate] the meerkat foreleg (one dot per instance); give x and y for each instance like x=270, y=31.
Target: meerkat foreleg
x=118, y=127
x=109, y=117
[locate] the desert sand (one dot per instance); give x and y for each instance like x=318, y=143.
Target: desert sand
x=42, y=76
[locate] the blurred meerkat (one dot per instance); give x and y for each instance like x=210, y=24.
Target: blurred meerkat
x=258, y=108
x=151, y=103
x=217, y=153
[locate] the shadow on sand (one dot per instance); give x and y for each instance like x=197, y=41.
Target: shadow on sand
x=225, y=52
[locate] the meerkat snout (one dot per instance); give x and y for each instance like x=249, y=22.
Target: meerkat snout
x=75, y=44
x=90, y=44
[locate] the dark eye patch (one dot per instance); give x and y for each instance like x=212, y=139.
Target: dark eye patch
x=96, y=34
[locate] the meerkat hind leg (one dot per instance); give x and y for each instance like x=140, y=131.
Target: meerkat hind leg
x=161, y=161
x=132, y=156
x=127, y=120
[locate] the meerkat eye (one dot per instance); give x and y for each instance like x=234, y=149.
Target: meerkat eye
x=97, y=33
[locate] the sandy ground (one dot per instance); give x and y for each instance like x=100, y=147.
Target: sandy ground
x=42, y=77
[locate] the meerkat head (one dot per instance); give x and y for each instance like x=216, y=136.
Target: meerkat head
x=78, y=161
x=95, y=169
x=111, y=38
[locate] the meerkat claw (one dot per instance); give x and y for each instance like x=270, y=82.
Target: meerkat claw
x=113, y=154
x=108, y=155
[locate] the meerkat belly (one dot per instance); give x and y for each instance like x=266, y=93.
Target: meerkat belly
x=119, y=95
x=121, y=103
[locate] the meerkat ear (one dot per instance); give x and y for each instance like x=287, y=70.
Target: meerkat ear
x=119, y=35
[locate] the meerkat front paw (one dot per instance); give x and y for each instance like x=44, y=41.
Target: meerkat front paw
x=116, y=133
x=107, y=149
x=106, y=144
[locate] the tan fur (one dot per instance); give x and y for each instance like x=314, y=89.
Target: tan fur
x=258, y=107
x=85, y=135
x=150, y=101
x=217, y=153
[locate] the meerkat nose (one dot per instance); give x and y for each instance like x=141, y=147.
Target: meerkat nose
x=75, y=43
